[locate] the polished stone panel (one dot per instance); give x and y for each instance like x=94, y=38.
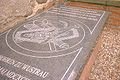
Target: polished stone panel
x=53, y=45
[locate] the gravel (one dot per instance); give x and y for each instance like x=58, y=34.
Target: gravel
x=107, y=64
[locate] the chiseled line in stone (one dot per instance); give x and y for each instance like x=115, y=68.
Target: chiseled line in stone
x=98, y=22
x=72, y=63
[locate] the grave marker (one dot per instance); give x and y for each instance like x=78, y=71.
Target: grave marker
x=53, y=45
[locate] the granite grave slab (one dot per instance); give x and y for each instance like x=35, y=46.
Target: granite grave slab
x=53, y=45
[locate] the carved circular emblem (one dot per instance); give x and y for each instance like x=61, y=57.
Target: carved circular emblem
x=46, y=37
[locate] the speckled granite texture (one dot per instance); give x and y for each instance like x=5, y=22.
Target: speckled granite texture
x=107, y=63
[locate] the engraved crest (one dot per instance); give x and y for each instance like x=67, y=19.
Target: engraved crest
x=48, y=33
x=47, y=37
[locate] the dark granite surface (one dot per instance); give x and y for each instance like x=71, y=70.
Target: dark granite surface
x=51, y=45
